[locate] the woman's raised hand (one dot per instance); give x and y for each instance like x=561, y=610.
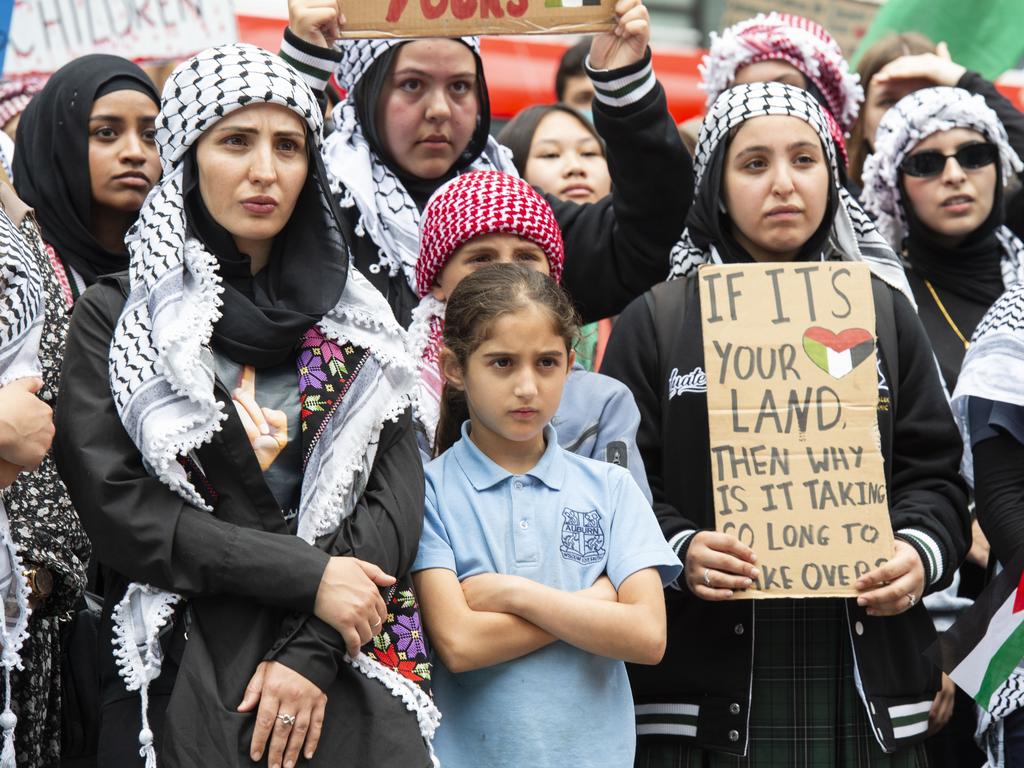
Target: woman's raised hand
x=267, y=429
x=349, y=600
x=627, y=43
x=717, y=564
x=316, y=21
x=291, y=713
x=929, y=68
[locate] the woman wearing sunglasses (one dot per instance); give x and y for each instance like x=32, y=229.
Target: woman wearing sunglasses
x=935, y=184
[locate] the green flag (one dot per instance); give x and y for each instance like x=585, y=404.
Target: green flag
x=986, y=36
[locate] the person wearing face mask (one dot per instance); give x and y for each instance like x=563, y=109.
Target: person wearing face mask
x=235, y=432
x=785, y=48
x=734, y=688
x=85, y=160
x=935, y=184
x=417, y=114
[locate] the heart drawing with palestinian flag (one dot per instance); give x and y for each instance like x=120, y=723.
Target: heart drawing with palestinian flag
x=838, y=353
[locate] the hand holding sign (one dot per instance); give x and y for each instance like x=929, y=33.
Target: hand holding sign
x=267, y=429
x=887, y=590
x=718, y=564
x=316, y=21
x=625, y=44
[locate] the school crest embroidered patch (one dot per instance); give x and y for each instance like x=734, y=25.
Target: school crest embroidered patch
x=582, y=536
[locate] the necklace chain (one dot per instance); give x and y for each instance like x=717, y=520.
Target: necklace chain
x=945, y=314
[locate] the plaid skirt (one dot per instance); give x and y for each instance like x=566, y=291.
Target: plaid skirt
x=806, y=712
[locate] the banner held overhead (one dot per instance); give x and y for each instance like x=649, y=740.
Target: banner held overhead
x=453, y=18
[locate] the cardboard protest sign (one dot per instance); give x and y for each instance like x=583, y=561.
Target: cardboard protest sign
x=46, y=34
x=793, y=393
x=846, y=20
x=451, y=18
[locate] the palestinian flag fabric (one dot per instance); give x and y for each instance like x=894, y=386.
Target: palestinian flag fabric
x=838, y=353
x=985, y=645
x=570, y=3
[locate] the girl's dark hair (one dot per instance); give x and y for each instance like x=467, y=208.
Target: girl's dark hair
x=517, y=135
x=883, y=51
x=476, y=303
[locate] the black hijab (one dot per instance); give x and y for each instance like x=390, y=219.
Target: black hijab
x=709, y=224
x=264, y=315
x=971, y=269
x=367, y=93
x=51, y=157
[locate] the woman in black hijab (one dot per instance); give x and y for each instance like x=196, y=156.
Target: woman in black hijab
x=417, y=114
x=85, y=160
x=238, y=445
x=935, y=183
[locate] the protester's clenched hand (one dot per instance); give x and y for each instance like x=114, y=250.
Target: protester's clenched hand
x=895, y=586
x=26, y=424
x=942, y=706
x=929, y=68
x=316, y=21
x=349, y=600
x=280, y=690
x=627, y=43
x=717, y=564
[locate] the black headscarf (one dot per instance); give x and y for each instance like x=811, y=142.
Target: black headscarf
x=709, y=225
x=367, y=95
x=264, y=315
x=973, y=268
x=51, y=157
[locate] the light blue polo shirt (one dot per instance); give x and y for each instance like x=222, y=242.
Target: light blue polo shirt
x=565, y=523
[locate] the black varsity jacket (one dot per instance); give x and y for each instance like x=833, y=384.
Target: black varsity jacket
x=701, y=691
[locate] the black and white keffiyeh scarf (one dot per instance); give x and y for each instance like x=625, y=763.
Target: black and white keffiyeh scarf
x=162, y=368
x=912, y=119
x=851, y=236
x=993, y=367
x=21, y=327
x=388, y=214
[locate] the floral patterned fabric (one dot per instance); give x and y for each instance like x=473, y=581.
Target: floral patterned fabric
x=326, y=371
x=48, y=532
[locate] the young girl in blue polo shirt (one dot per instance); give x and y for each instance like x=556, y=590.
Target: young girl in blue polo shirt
x=539, y=572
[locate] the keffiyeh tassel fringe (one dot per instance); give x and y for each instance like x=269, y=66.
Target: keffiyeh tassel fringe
x=138, y=619
x=12, y=634
x=415, y=699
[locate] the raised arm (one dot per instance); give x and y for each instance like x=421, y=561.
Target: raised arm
x=617, y=248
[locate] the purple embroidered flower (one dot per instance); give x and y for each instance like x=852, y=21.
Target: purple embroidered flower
x=410, y=635
x=311, y=375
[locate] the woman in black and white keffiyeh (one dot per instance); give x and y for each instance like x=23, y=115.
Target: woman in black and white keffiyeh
x=769, y=190
x=236, y=434
x=989, y=407
x=417, y=114
x=946, y=215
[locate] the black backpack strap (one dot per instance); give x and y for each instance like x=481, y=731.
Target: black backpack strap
x=667, y=303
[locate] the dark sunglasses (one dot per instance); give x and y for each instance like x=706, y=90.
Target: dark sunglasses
x=933, y=162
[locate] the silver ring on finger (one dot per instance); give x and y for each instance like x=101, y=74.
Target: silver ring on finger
x=286, y=720
x=912, y=599
x=707, y=577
